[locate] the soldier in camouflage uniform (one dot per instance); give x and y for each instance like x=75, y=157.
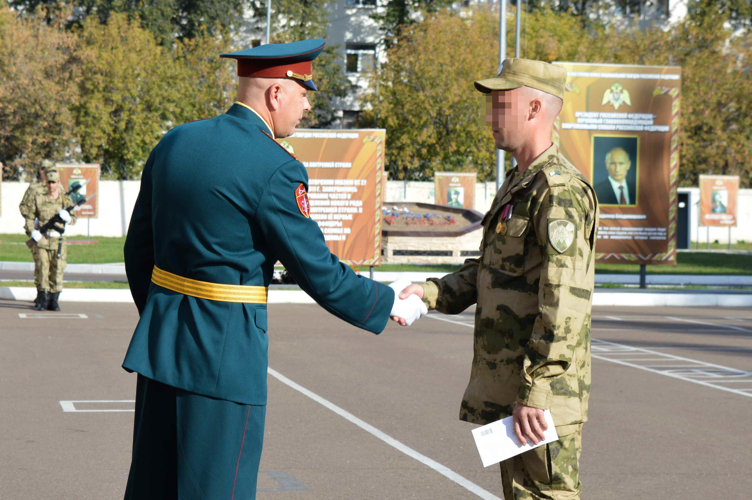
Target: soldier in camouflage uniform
x=533, y=286
x=38, y=186
x=50, y=267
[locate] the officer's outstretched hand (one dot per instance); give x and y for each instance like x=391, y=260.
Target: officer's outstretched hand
x=530, y=422
x=406, y=311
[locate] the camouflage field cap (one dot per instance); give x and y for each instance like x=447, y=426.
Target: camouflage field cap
x=516, y=73
x=47, y=165
x=53, y=175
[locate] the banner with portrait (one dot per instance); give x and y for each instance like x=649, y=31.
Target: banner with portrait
x=346, y=188
x=81, y=182
x=718, y=196
x=455, y=189
x=620, y=127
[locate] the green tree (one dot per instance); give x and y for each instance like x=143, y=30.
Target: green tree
x=127, y=99
x=424, y=97
x=398, y=14
x=38, y=84
x=165, y=19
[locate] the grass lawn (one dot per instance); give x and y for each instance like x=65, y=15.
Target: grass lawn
x=73, y=284
x=108, y=250
x=14, y=249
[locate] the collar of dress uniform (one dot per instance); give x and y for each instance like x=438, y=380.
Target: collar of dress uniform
x=242, y=110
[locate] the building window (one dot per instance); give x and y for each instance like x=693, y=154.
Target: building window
x=361, y=57
x=350, y=119
x=361, y=3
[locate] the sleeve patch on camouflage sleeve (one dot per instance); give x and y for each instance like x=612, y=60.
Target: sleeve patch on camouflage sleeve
x=561, y=234
x=301, y=197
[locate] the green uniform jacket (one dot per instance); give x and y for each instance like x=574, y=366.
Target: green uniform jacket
x=533, y=285
x=218, y=204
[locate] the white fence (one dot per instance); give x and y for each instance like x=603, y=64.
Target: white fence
x=116, y=200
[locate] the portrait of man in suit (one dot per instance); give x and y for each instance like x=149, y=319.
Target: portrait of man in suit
x=619, y=187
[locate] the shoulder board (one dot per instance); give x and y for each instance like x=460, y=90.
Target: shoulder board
x=278, y=144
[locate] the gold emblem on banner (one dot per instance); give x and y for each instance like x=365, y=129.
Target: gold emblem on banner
x=616, y=96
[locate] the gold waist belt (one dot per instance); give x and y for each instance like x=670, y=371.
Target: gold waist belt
x=210, y=291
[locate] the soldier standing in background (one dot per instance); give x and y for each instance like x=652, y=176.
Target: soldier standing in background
x=533, y=286
x=49, y=264
x=38, y=186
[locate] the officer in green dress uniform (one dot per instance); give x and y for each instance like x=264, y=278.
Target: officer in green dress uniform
x=220, y=203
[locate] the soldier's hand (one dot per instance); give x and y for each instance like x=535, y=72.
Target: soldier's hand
x=64, y=215
x=529, y=422
x=36, y=235
x=411, y=290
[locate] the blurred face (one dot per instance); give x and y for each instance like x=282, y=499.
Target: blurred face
x=618, y=164
x=293, y=106
x=507, y=115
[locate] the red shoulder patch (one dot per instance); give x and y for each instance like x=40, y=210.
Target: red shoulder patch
x=301, y=197
x=278, y=144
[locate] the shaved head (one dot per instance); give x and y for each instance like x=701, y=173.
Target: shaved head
x=281, y=102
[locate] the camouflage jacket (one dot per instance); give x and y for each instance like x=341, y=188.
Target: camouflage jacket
x=44, y=208
x=27, y=202
x=533, y=286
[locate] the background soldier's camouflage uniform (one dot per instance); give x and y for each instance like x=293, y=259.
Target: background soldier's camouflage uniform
x=532, y=321
x=49, y=267
x=27, y=210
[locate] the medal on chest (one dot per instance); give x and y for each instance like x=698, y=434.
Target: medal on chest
x=506, y=214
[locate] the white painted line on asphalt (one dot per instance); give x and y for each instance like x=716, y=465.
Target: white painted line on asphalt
x=70, y=406
x=601, y=349
x=54, y=315
x=613, y=318
x=729, y=327
x=607, y=349
x=441, y=469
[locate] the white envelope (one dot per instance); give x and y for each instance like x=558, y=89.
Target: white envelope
x=497, y=441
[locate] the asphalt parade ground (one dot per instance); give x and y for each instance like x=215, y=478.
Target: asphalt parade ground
x=357, y=416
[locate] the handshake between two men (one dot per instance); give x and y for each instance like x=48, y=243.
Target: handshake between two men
x=408, y=305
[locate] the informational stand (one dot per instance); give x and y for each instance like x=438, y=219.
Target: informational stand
x=346, y=188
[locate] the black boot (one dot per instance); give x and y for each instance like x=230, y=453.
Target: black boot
x=42, y=305
x=53, y=305
x=40, y=293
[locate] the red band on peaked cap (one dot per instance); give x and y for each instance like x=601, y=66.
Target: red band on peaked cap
x=260, y=68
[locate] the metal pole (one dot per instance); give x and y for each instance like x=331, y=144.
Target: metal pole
x=697, y=242
x=517, y=23
x=88, y=227
x=707, y=243
x=370, y=272
x=268, y=18
x=643, y=276
x=502, y=56
x=729, y=237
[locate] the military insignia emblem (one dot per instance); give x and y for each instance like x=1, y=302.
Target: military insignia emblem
x=616, y=95
x=560, y=234
x=301, y=197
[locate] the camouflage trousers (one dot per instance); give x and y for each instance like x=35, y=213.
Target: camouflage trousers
x=35, y=255
x=49, y=268
x=550, y=472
